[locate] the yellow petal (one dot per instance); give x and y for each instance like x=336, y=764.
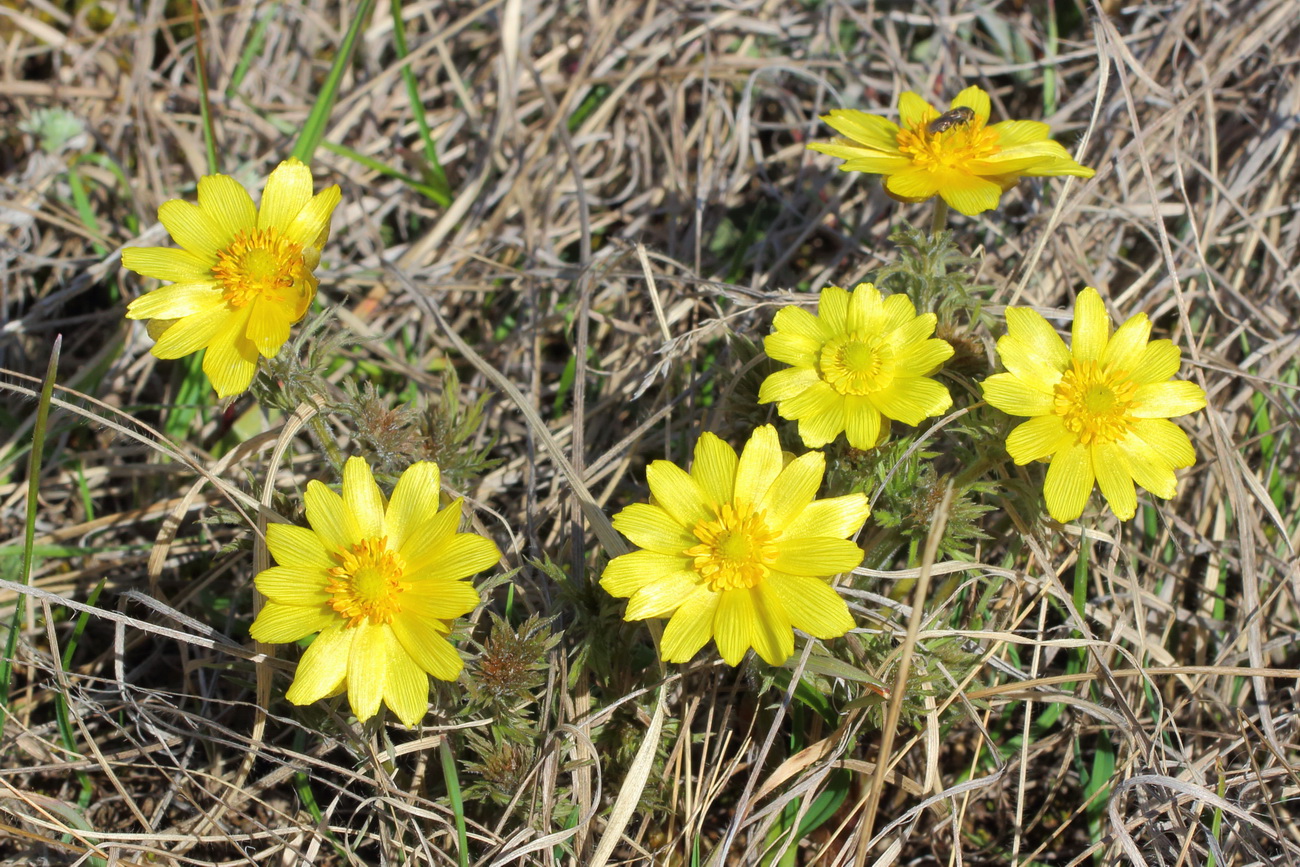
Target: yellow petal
x=362, y=498
x=832, y=311
x=898, y=311
x=1158, y=362
x=280, y=624
x=1014, y=396
x=177, y=301
x=1167, y=399
x=821, y=414
x=268, y=326
x=661, y=597
x=369, y=660
x=296, y=546
x=785, y=384
x=193, y=229
x=872, y=163
x=922, y=357
x=797, y=349
x=818, y=556
x=429, y=650
x=793, y=489
x=302, y=586
x=191, y=334
x=226, y=204
x=1012, y=133
x=1115, y=480
x=406, y=689
x=966, y=193
x=652, y=528
x=1167, y=440
x=423, y=542
x=310, y=227
x=1032, y=350
x=435, y=601
x=913, y=111
x=414, y=501
x=914, y=185
x=1069, y=482
x=837, y=517
x=1150, y=469
x=910, y=399
x=691, y=627
x=625, y=575
x=801, y=323
x=334, y=524
x=1039, y=439
x=677, y=493
x=733, y=625
x=861, y=422
x=976, y=99
x=866, y=310
x=1127, y=344
x=1033, y=159
x=714, y=468
x=812, y=605
x=771, y=630
x=461, y=556
x=760, y=462
x=868, y=129
x=1091, y=329
x=168, y=263
x=231, y=359
x=323, y=666
x=288, y=190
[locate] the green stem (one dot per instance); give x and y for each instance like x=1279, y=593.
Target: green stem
x=35, y=459
x=453, y=795
x=939, y=220
x=327, y=442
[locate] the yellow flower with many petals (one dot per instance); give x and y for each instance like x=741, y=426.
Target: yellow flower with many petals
x=969, y=163
x=380, y=582
x=1099, y=410
x=738, y=550
x=243, y=275
x=861, y=361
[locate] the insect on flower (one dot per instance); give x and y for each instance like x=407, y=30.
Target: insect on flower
x=951, y=118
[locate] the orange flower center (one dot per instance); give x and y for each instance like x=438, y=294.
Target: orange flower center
x=367, y=583
x=1095, y=403
x=259, y=263
x=736, y=548
x=951, y=149
x=857, y=365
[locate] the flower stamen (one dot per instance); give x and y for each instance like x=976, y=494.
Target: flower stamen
x=737, y=548
x=367, y=582
x=856, y=364
x=258, y=263
x=1095, y=403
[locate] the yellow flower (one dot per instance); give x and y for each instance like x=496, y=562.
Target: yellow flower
x=969, y=163
x=738, y=550
x=380, y=582
x=242, y=275
x=861, y=361
x=1099, y=410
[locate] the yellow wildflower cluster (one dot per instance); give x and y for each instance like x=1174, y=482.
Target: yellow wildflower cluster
x=738, y=549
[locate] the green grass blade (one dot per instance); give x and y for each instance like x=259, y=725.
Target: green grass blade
x=314, y=129
x=205, y=106
x=29, y=528
x=417, y=105
x=252, y=48
x=457, y=803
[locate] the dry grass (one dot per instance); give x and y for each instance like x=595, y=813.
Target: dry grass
x=631, y=187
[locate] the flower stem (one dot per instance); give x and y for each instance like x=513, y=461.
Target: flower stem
x=327, y=442
x=939, y=220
